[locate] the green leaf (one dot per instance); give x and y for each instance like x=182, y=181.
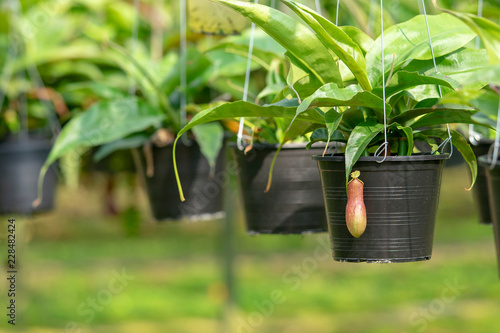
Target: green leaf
x=408, y=131
x=411, y=114
x=461, y=66
x=359, y=139
x=104, y=122
x=330, y=95
x=487, y=30
x=209, y=138
x=133, y=141
x=332, y=120
x=485, y=101
x=409, y=40
x=403, y=80
x=321, y=135
x=300, y=78
x=282, y=109
x=293, y=36
x=463, y=147
x=441, y=117
x=261, y=57
x=485, y=75
x=424, y=138
x=336, y=40
x=364, y=41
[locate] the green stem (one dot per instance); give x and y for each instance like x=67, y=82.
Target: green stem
x=403, y=147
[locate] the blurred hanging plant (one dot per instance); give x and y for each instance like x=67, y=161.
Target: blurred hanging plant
x=117, y=120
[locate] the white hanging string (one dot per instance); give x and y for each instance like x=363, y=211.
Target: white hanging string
x=318, y=6
x=239, y=142
x=385, y=146
x=447, y=140
x=475, y=137
x=337, y=14
x=183, y=62
x=336, y=108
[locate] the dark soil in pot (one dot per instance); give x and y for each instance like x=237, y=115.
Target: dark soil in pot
x=401, y=198
x=493, y=183
x=294, y=204
x=480, y=189
x=203, y=191
x=20, y=164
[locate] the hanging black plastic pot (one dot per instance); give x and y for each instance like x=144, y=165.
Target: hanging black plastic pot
x=203, y=190
x=20, y=164
x=480, y=189
x=294, y=204
x=493, y=184
x=401, y=198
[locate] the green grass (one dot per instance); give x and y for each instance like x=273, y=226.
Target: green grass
x=69, y=256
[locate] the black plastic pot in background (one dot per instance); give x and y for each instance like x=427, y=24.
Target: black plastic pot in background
x=493, y=184
x=20, y=164
x=294, y=204
x=204, y=192
x=480, y=189
x=401, y=198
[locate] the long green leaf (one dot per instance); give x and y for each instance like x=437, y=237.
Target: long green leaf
x=209, y=138
x=485, y=101
x=132, y=141
x=321, y=135
x=409, y=40
x=463, y=147
x=283, y=109
x=104, y=122
x=300, y=78
x=461, y=66
x=330, y=95
x=293, y=36
x=403, y=80
x=336, y=40
x=261, y=57
x=441, y=117
x=332, y=120
x=364, y=41
x=487, y=30
x=411, y=115
x=360, y=138
x=408, y=131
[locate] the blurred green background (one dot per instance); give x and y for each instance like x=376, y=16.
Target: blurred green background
x=175, y=282
x=81, y=270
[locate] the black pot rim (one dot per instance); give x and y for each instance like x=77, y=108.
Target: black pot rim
x=485, y=161
x=18, y=146
x=412, y=158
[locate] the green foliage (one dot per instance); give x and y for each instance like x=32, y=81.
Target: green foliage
x=103, y=123
x=353, y=110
